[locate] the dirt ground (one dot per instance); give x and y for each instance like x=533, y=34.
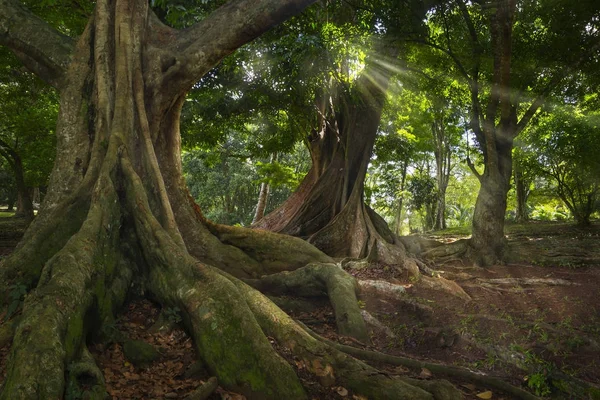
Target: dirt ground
x=534, y=322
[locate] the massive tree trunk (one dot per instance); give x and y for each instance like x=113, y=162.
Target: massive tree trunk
x=108, y=220
x=328, y=209
x=488, y=241
x=495, y=132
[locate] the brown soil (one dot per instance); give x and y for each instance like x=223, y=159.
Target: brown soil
x=516, y=330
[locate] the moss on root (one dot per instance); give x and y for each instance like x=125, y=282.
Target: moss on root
x=331, y=366
x=317, y=279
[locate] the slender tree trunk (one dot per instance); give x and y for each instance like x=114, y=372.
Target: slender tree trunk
x=495, y=131
x=35, y=197
x=263, y=196
x=522, y=192
x=443, y=159
x=24, y=203
x=398, y=219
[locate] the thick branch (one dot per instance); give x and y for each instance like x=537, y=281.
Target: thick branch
x=40, y=47
x=202, y=46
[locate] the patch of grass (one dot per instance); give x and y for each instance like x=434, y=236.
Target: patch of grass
x=7, y=214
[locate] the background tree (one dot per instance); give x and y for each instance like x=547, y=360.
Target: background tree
x=509, y=74
x=567, y=144
x=27, y=117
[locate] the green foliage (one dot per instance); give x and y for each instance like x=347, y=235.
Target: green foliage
x=538, y=382
x=422, y=190
x=567, y=144
x=172, y=314
x=28, y=113
x=225, y=180
x=277, y=174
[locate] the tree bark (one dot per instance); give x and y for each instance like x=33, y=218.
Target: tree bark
x=263, y=196
x=443, y=159
x=522, y=193
x=107, y=221
x=328, y=209
x=398, y=219
x=24, y=204
x=496, y=141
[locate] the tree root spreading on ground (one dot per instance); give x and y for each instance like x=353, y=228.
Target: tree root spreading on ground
x=441, y=369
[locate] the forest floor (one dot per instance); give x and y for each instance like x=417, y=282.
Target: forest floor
x=527, y=322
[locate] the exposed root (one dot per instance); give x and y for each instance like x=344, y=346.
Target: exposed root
x=527, y=281
x=385, y=287
x=225, y=333
x=204, y=390
x=441, y=369
x=273, y=252
x=56, y=315
x=43, y=239
x=317, y=280
x=417, y=245
x=374, y=322
x=331, y=366
x=446, y=251
x=439, y=283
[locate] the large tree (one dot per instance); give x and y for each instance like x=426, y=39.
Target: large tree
x=500, y=48
x=118, y=213
x=328, y=209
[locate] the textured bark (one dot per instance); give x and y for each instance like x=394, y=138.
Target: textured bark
x=107, y=222
x=443, y=159
x=522, y=193
x=487, y=240
x=328, y=209
x=496, y=141
x=24, y=202
x=263, y=197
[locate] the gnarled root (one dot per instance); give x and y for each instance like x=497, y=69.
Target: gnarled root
x=225, y=333
x=81, y=284
x=230, y=322
x=85, y=376
x=435, y=368
x=316, y=280
x=331, y=366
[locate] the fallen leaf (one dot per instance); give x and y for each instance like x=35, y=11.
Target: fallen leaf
x=400, y=370
x=342, y=391
x=485, y=395
x=469, y=386
x=425, y=373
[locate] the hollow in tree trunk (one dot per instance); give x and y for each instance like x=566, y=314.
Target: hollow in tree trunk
x=107, y=221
